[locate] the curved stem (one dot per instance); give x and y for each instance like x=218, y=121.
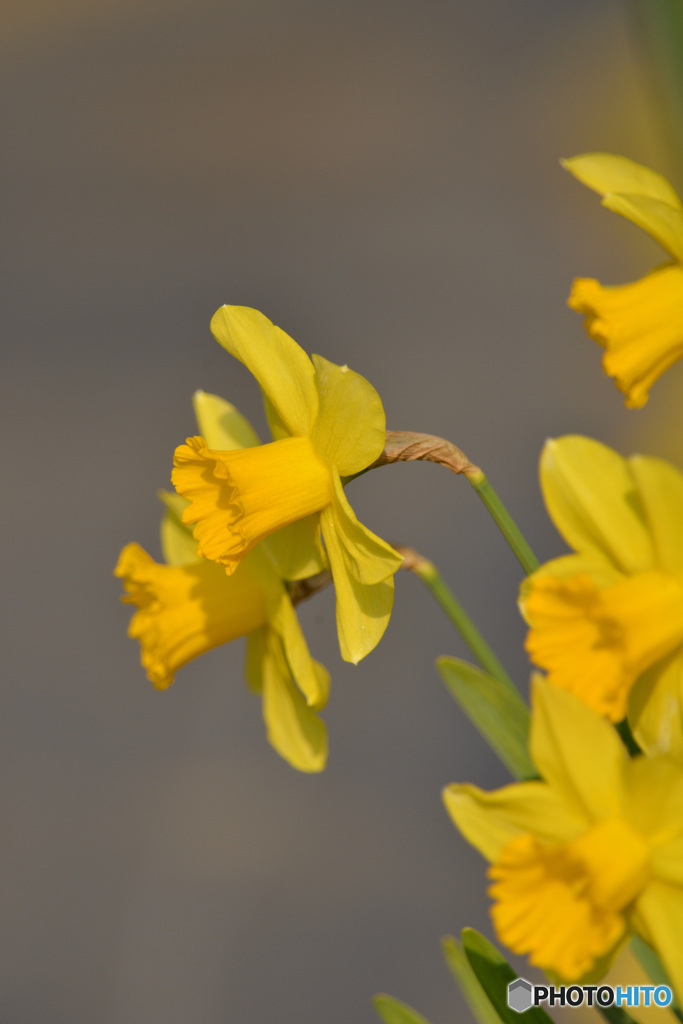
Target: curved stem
x=434, y=582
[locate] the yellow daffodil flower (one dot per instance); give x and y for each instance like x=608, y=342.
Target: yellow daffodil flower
x=588, y=855
x=328, y=423
x=607, y=622
x=640, y=325
x=190, y=605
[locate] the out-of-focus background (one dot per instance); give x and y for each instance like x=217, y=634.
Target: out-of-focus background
x=381, y=178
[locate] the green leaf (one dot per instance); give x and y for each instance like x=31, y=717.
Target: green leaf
x=459, y=966
x=649, y=961
x=494, y=974
x=498, y=712
x=394, y=1012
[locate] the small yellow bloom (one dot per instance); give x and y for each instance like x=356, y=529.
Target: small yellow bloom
x=589, y=855
x=190, y=605
x=607, y=622
x=640, y=325
x=328, y=423
x=185, y=610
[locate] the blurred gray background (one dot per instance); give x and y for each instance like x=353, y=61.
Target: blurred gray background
x=381, y=178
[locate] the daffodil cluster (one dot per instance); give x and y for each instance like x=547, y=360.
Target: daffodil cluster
x=265, y=517
x=587, y=851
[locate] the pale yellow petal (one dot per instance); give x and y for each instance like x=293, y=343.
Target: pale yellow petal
x=363, y=612
x=294, y=730
x=178, y=545
x=656, y=708
x=490, y=820
x=660, y=909
x=221, y=425
x=607, y=172
x=593, y=500
x=661, y=491
x=313, y=683
x=312, y=679
x=654, y=808
x=296, y=550
x=282, y=368
x=350, y=430
x=661, y=220
x=577, y=752
x=368, y=558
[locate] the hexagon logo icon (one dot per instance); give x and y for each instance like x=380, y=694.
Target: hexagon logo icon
x=519, y=995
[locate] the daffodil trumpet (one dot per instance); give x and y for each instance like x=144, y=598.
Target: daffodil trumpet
x=640, y=325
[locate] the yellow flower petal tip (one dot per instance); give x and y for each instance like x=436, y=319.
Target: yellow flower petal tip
x=183, y=611
x=587, y=855
x=640, y=325
x=328, y=423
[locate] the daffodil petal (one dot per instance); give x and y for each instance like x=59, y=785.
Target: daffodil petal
x=490, y=820
x=576, y=751
x=350, y=430
x=363, y=612
x=368, y=558
x=655, y=799
x=661, y=490
x=593, y=500
x=661, y=220
x=221, y=425
x=655, y=711
x=607, y=172
x=296, y=550
x=275, y=423
x=660, y=908
x=178, y=546
x=293, y=729
x=312, y=679
x=281, y=367
x=313, y=683
x=667, y=860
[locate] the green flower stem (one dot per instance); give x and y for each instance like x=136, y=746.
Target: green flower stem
x=503, y=520
x=432, y=579
x=408, y=446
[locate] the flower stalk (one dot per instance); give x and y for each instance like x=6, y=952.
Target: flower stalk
x=434, y=582
x=406, y=446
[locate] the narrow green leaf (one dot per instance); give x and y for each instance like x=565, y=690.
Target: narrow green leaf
x=499, y=713
x=494, y=975
x=649, y=961
x=459, y=966
x=394, y=1012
